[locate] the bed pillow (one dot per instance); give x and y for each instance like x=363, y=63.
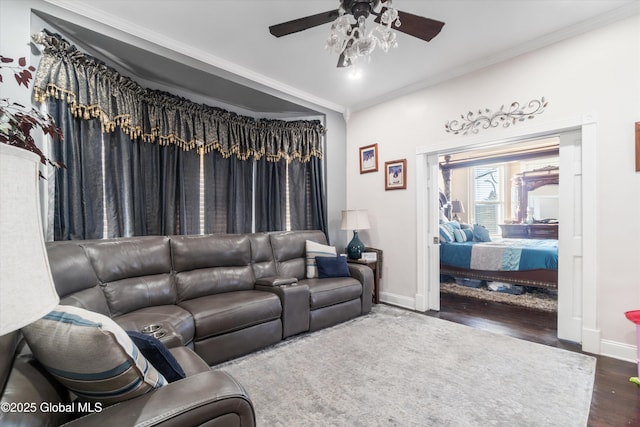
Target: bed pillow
x=463, y=235
x=159, y=355
x=315, y=249
x=446, y=233
x=455, y=225
x=480, y=233
x=91, y=355
x=332, y=267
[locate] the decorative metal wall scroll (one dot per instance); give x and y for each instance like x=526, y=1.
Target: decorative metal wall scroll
x=486, y=119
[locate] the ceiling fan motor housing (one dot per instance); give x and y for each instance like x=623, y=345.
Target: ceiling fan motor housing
x=359, y=8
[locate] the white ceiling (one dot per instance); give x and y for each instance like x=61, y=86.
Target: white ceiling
x=233, y=36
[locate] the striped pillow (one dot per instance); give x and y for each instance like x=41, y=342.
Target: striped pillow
x=315, y=249
x=446, y=233
x=459, y=235
x=91, y=355
x=463, y=235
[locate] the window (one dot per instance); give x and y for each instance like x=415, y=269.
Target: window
x=488, y=196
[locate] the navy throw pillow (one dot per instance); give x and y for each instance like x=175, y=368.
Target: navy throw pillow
x=332, y=266
x=158, y=355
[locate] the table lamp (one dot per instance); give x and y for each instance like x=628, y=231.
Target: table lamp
x=456, y=208
x=355, y=220
x=27, y=291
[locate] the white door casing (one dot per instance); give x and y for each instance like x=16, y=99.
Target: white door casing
x=570, y=238
x=578, y=138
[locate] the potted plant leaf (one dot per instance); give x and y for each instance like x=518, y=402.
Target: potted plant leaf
x=17, y=122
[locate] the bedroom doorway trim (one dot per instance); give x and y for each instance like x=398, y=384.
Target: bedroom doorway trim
x=428, y=264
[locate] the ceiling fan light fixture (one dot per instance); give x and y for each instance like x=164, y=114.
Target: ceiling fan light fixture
x=351, y=40
x=349, y=37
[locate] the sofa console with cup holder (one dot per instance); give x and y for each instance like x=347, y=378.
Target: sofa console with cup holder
x=206, y=298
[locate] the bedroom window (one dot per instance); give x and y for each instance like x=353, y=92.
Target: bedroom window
x=488, y=196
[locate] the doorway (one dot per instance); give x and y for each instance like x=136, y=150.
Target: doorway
x=577, y=288
x=497, y=188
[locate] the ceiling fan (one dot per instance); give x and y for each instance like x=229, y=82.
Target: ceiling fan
x=348, y=33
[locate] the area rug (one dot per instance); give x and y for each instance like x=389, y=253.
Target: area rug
x=395, y=367
x=534, y=300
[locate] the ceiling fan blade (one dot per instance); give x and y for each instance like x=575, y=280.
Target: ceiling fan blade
x=302, y=24
x=416, y=26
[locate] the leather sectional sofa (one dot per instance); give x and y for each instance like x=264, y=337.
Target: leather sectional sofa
x=209, y=298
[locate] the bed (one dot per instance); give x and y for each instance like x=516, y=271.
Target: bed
x=527, y=262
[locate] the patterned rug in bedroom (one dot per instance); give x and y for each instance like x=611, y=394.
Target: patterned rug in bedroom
x=536, y=299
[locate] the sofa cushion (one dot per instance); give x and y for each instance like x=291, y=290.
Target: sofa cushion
x=212, y=264
x=332, y=267
x=91, y=355
x=117, y=259
x=135, y=272
x=222, y=313
x=326, y=292
x=262, y=255
x=124, y=296
x=313, y=250
x=289, y=251
x=158, y=354
x=74, y=277
x=70, y=267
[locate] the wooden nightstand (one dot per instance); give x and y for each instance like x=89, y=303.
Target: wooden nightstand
x=376, y=266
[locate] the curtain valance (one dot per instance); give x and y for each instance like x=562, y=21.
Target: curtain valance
x=95, y=90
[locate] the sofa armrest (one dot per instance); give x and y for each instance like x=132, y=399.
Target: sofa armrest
x=364, y=275
x=295, y=306
x=192, y=401
x=276, y=281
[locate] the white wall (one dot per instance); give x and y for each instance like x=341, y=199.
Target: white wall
x=594, y=73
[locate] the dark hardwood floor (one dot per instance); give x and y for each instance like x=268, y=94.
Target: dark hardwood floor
x=615, y=401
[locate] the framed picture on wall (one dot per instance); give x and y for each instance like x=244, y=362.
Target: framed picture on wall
x=369, y=158
x=395, y=175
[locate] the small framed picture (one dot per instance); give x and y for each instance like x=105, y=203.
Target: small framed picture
x=369, y=158
x=395, y=175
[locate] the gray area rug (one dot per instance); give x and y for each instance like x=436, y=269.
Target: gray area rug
x=394, y=367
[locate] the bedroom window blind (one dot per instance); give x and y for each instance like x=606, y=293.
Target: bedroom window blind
x=488, y=197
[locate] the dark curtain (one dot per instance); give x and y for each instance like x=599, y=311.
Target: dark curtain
x=188, y=192
x=78, y=188
x=156, y=170
x=132, y=157
x=306, y=195
x=228, y=194
x=270, y=195
x=146, y=189
x=153, y=189
x=150, y=189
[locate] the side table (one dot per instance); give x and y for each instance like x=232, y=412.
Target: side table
x=376, y=266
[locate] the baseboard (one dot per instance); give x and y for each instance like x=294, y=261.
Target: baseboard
x=398, y=300
x=626, y=352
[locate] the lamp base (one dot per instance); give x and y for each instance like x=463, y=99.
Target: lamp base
x=355, y=247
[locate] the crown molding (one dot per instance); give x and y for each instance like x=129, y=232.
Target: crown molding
x=234, y=72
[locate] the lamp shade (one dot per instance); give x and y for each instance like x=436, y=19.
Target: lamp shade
x=457, y=206
x=355, y=220
x=27, y=291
